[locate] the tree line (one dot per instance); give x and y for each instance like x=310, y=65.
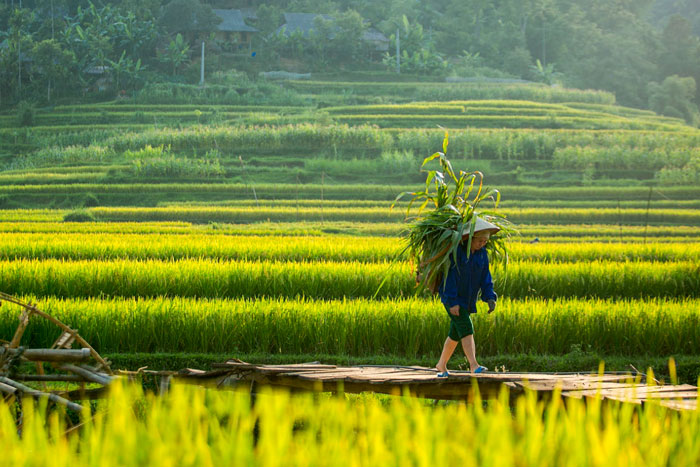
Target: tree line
x=647, y=52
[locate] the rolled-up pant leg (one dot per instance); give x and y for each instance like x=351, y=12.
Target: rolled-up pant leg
x=461, y=325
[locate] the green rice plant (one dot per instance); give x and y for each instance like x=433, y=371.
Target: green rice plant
x=596, y=234
x=349, y=191
x=54, y=226
x=399, y=159
x=330, y=280
x=506, y=121
x=262, y=138
x=192, y=426
x=407, y=328
x=47, y=177
x=454, y=91
x=580, y=157
x=238, y=215
x=175, y=242
x=179, y=108
x=171, y=166
x=66, y=155
x=474, y=143
x=32, y=215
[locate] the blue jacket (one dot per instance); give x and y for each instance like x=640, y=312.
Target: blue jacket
x=466, y=278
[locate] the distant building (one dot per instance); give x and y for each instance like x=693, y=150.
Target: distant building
x=233, y=30
x=377, y=39
x=103, y=78
x=304, y=23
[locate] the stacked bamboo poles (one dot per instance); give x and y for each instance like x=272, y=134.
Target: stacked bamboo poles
x=71, y=364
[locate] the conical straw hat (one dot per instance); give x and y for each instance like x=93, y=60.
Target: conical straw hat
x=480, y=226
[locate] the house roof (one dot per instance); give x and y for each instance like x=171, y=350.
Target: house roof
x=300, y=22
x=232, y=21
x=372, y=35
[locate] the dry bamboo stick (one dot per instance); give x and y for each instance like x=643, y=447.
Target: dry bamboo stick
x=23, y=322
x=32, y=392
x=7, y=389
x=72, y=378
x=86, y=374
x=32, y=309
x=51, y=355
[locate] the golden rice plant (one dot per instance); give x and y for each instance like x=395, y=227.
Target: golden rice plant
x=197, y=427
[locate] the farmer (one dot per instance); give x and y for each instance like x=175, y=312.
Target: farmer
x=465, y=279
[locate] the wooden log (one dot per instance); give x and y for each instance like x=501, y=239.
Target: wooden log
x=50, y=355
x=34, y=393
x=72, y=378
x=86, y=374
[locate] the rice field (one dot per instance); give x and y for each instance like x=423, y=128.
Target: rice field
x=216, y=278
x=165, y=245
x=408, y=328
x=552, y=233
x=265, y=230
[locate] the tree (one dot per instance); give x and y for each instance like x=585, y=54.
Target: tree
x=545, y=74
x=674, y=98
x=607, y=46
x=176, y=54
x=125, y=71
x=339, y=39
x=52, y=64
x=418, y=52
x=680, y=48
x=19, y=42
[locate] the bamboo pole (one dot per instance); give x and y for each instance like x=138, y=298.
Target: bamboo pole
x=7, y=389
x=34, y=393
x=51, y=355
x=71, y=378
x=23, y=322
x=86, y=374
x=81, y=341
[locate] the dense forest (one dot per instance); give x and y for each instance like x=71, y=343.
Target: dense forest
x=647, y=52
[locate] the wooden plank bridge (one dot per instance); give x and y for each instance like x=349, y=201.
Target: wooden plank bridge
x=423, y=382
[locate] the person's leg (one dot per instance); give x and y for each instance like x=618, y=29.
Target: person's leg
x=447, y=350
x=470, y=351
x=467, y=338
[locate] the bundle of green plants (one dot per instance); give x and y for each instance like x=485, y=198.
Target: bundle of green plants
x=435, y=235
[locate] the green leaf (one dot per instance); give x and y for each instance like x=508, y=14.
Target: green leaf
x=428, y=179
x=430, y=158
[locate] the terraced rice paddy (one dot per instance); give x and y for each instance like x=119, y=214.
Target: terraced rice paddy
x=219, y=231
x=405, y=327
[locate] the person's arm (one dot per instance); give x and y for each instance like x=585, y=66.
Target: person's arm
x=448, y=291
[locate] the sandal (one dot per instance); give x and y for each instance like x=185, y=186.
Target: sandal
x=481, y=369
x=443, y=374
